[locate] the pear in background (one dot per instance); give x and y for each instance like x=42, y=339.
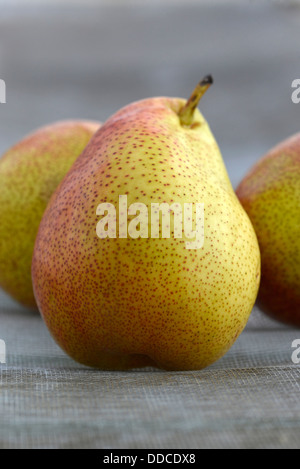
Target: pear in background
x=133, y=300
x=29, y=173
x=270, y=194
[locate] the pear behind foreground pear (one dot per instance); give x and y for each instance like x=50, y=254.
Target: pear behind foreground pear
x=270, y=194
x=117, y=303
x=29, y=173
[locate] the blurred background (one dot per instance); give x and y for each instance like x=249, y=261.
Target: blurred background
x=86, y=59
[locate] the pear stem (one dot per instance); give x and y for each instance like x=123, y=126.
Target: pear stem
x=186, y=113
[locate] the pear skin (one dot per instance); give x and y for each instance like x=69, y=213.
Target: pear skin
x=119, y=303
x=270, y=194
x=29, y=173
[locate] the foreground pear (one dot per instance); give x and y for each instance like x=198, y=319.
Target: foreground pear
x=270, y=194
x=118, y=290
x=29, y=173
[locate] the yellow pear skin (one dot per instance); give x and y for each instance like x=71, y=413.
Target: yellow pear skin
x=29, y=173
x=119, y=303
x=270, y=194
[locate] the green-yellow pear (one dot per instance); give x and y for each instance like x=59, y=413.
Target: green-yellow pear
x=29, y=173
x=270, y=194
x=122, y=276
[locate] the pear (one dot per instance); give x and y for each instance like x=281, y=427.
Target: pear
x=270, y=194
x=117, y=284
x=29, y=173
